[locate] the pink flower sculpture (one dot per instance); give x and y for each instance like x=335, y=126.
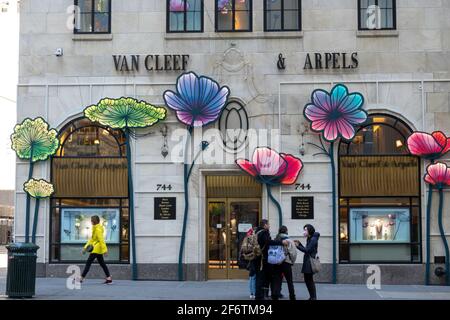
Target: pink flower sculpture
x=438, y=175
x=270, y=167
x=429, y=146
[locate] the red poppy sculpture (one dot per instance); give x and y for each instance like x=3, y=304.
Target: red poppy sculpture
x=438, y=176
x=272, y=169
x=430, y=147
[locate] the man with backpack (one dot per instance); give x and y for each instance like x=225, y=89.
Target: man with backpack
x=264, y=270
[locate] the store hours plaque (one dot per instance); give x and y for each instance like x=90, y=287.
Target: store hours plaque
x=303, y=208
x=165, y=208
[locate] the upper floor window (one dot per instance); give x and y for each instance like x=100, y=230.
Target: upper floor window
x=233, y=15
x=377, y=14
x=184, y=15
x=282, y=15
x=93, y=16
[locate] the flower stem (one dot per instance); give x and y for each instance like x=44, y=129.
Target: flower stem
x=333, y=200
x=186, y=205
x=444, y=239
x=276, y=203
x=429, y=204
x=131, y=206
x=35, y=220
x=27, y=208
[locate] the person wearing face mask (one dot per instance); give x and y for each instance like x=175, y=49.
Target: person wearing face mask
x=310, y=250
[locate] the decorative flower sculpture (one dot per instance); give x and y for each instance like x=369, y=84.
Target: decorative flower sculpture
x=438, y=175
x=428, y=146
x=198, y=101
x=224, y=4
x=39, y=189
x=178, y=5
x=335, y=115
x=35, y=141
x=127, y=114
x=272, y=169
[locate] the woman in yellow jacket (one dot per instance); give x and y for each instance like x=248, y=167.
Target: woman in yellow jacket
x=97, y=248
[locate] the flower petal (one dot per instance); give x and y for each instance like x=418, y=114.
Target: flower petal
x=356, y=117
x=346, y=130
x=294, y=166
x=247, y=166
x=338, y=95
x=423, y=144
x=438, y=174
x=442, y=140
x=313, y=113
x=331, y=132
x=188, y=88
x=175, y=102
x=268, y=162
x=321, y=99
x=351, y=103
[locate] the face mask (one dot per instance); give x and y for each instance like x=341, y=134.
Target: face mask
x=305, y=233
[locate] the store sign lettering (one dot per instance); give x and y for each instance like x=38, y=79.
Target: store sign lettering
x=151, y=63
x=331, y=60
x=379, y=164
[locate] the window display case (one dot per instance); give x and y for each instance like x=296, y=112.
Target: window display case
x=385, y=225
x=76, y=225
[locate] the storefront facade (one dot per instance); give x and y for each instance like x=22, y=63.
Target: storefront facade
x=272, y=55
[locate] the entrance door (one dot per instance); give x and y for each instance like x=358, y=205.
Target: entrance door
x=228, y=222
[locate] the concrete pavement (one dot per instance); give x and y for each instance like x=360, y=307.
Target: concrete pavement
x=93, y=289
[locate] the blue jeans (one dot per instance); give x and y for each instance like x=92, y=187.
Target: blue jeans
x=252, y=284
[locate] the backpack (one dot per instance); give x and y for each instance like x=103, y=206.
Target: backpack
x=276, y=255
x=250, y=248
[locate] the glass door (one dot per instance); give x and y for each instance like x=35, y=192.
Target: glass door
x=228, y=222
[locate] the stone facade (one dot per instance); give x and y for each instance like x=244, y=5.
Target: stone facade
x=405, y=73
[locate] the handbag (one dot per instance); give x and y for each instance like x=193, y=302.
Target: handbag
x=90, y=248
x=315, y=264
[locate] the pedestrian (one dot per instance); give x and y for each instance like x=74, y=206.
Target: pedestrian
x=310, y=250
x=96, y=246
x=285, y=268
x=251, y=272
x=264, y=272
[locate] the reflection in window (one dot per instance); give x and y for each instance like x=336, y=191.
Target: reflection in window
x=93, y=16
x=381, y=136
x=185, y=15
x=282, y=15
x=83, y=139
x=377, y=14
x=233, y=15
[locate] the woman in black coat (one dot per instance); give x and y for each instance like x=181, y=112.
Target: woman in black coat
x=310, y=250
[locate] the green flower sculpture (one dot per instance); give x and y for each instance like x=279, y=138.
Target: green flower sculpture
x=39, y=189
x=125, y=113
x=33, y=140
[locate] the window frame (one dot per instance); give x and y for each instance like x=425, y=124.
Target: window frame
x=265, y=10
x=216, y=14
x=92, y=12
x=202, y=19
x=394, y=17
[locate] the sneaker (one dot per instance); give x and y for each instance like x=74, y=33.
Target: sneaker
x=107, y=281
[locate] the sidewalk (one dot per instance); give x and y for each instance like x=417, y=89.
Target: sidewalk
x=55, y=289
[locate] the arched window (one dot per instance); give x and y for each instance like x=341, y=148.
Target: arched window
x=89, y=172
x=233, y=126
x=379, y=195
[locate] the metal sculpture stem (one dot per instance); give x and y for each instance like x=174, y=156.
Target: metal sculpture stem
x=444, y=239
x=35, y=221
x=333, y=200
x=276, y=203
x=27, y=208
x=187, y=171
x=131, y=206
x=428, y=227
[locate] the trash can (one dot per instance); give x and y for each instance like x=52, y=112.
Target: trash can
x=21, y=274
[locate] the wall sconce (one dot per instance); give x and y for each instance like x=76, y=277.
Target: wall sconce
x=165, y=148
x=305, y=131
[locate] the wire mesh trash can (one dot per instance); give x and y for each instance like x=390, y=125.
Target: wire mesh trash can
x=21, y=275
